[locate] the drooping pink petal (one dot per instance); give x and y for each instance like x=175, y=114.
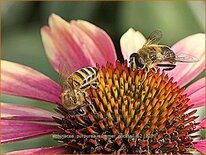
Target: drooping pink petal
x=44, y=150
x=193, y=45
x=24, y=81
x=196, y=93
x=130, y=42
x=18, y=130
x=25, y=113
x=77, y=44
x=202, y=124
x=200, y=145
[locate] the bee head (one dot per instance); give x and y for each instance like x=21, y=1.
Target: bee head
x=136, y=60
x=67, y=96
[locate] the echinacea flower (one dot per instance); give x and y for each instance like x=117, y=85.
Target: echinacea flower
x=155, y=117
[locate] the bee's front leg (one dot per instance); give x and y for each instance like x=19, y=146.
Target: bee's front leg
x=89, y=103
x=167, y=67
x=145, y=75
x=86, y=97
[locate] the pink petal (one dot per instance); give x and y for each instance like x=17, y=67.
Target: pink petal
x=196, y=93
x=45, y=150
x=77, y=44
x=200, y=146
x=130, y=42
x=25, y=113
x=193, y=45
x=101, y=40
x=23, y=81
x=202, y=123
x=19, y=130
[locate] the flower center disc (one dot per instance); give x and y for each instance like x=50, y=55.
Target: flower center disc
x=129, y=117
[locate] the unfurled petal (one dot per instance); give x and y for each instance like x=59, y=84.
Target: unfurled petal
x=44, y=150
x=101, y=41
x=200, y=146
x=23, y=81
x=77, y=44
x=202, y=123
x=196, y=93
x=25, y=113
x=18, y=130
x=193, y=45
x=130, y=42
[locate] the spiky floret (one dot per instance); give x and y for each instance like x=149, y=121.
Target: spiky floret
x=127, y=117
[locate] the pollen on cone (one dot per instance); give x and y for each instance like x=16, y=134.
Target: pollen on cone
x=130, y=117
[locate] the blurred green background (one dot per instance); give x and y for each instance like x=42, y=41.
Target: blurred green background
x=21, y=41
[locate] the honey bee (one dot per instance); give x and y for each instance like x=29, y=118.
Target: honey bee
x=152, y=55
x=74, y=87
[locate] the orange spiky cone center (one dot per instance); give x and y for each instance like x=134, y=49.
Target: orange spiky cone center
x=128, y=117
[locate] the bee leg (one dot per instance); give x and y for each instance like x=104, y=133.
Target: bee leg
x=154, y=70
x=91, y=106
x=145, y=75
x=71, y=114
x=86, y=98
x=169, y=67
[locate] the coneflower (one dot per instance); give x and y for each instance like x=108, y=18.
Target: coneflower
x=130, y=117
x=125, y=115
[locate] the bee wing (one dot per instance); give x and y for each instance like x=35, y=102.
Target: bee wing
x=66, y=81
x=71, y=87
x=64, y=73
x=186, y=58
x=154, y=37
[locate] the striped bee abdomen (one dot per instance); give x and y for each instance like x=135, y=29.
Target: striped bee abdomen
x=85, y=76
